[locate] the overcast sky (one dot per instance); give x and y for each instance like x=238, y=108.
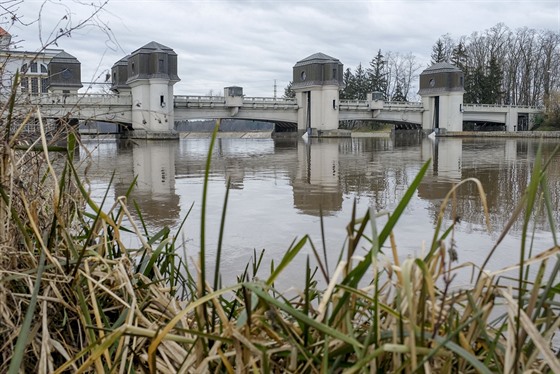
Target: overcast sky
x=251, y=43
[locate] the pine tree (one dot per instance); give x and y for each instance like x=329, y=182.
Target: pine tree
x=289, y=92
x=459, y=56
x=361, y=83
x=493, y=84
x=348, y=91
x=377, y=75
x=398, y=96
x=438, y=52
x=475, y=85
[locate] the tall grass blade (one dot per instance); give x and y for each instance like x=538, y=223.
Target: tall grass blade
x=24, y=333
x=290, y=254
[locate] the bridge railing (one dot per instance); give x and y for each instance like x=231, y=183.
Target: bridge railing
x=353, y=105
x=475, y=106
x=269, y=103
x=79, y=99
x=389, y=105
x=185, y=101
x=402, y=105
x=269, y=100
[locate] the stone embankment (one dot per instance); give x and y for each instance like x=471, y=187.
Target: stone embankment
x=227, y=135
x=502, y=134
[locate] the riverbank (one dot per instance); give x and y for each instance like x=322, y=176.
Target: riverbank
x=341, y=134
x=228, y=135
x=501, y=134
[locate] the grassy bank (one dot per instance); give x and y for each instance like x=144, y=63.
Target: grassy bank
x=75, y=298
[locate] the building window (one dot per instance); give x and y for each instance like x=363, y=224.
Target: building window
x=35, y=85
x=132, y=68
x=461, y=81
x=44, y=85
x=33, y=67
x=43, y=68
x=334, y=73
x=24, y=68
x=24, y=85
x=161, y=66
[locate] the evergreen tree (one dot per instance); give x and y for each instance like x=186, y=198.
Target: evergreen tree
x=398, y=96
x=459, y=56
x=289, y=92
x=475, y=85
x=377, y=75
x=361, y=83
x=348, y=91
x=493, y=82
x=438, y=52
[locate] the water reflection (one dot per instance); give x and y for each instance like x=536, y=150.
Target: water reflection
x=502, y=166
x=280, y=187
x=316, y=184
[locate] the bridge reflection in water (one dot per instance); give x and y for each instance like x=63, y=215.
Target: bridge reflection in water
x=280, y=187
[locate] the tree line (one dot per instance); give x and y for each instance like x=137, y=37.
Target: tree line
x=501, y=66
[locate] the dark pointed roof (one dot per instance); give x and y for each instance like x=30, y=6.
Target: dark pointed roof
x=154, y=47
x=65, y=57
x=317, y=58
x=122, y=61
x=441, y=67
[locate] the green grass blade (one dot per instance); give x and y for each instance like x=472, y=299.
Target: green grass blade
x=286, y=260
x=296, y=314
x=19, y=350
x=357, y=274
x=221, y=237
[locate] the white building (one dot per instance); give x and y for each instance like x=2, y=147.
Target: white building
x=34, y=69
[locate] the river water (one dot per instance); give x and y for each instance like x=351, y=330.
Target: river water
x=279, y=188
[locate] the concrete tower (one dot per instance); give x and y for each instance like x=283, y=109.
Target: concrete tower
x=317, y=80
x=442, y=89
x=151, y=72
x=64, y=74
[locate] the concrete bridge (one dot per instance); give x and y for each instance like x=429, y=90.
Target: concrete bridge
x=142, y=85
x=282, y=112
x=285, y=111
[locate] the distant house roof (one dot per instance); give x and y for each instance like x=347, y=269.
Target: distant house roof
x=3, y=32
x=441, y=67
x=317, y=58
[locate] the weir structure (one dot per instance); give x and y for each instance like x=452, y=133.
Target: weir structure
x=144, y=104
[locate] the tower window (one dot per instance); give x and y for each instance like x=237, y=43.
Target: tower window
x=132, y=68
x=161, y=66
x=43, y=68
x=33, y=67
